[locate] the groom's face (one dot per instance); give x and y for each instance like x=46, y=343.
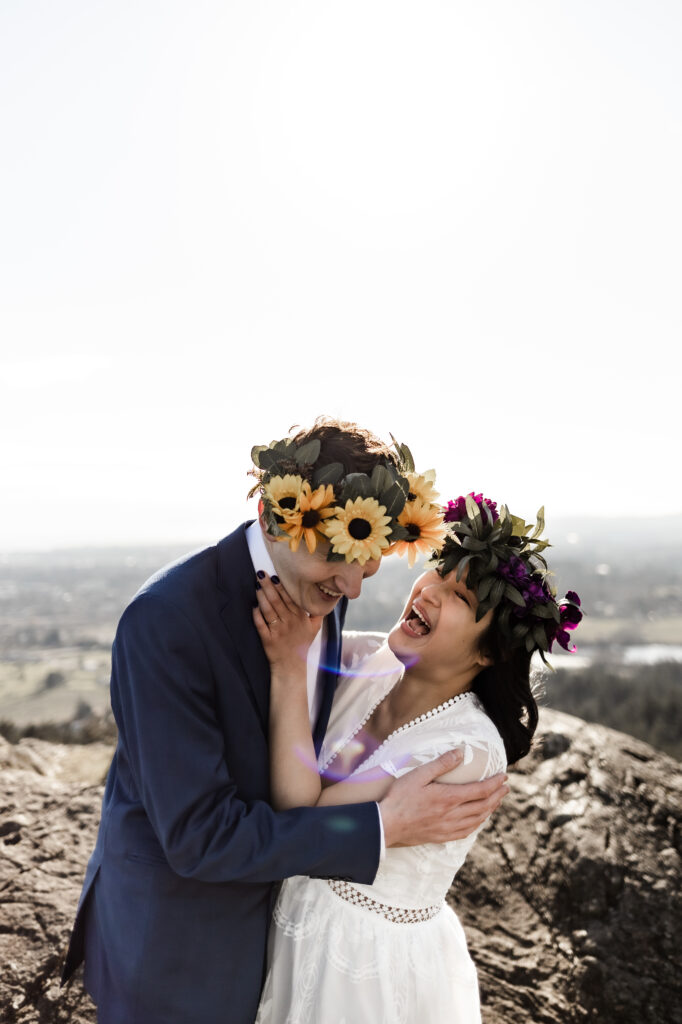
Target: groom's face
x=315, y=584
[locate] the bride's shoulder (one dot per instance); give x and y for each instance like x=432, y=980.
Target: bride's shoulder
x=468, y=715
x=367, y=664
x=358, y=646
x=368, y=671
x=463, y=724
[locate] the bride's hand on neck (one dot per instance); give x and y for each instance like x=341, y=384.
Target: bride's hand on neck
x=285, y=630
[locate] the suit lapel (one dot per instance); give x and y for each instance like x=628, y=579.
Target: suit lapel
x=236, y=579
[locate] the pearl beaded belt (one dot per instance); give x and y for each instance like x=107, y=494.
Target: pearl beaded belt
x=399, y=915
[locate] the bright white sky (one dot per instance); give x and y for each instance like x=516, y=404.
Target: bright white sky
x=456, y=221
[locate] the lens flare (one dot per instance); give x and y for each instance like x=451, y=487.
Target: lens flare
x=372, y=672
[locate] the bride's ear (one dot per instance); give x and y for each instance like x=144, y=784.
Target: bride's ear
x=483, y=660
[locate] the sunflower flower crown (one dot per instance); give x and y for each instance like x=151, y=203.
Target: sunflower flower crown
x=361, y=516
x=506, y=569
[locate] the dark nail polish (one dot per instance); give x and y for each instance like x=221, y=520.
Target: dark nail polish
x=257, y=586
x=275, y=579
x=260, y=574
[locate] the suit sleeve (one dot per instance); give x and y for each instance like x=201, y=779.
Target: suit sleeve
x=164, y=703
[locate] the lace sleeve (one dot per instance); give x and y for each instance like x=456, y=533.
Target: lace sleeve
x=480, y=762
x=483, y=749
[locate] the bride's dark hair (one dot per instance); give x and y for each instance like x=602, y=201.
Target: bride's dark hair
x=503, y=558
x=505, y=689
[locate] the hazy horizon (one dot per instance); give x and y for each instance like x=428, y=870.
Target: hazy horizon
x=563, y=531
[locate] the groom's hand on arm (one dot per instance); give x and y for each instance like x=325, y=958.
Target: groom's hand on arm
x=418, y=808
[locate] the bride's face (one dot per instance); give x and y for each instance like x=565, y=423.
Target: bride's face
x=438, y=627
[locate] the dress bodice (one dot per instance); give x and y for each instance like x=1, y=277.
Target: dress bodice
x=411, y=876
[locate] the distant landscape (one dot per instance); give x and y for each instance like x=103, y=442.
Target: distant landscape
x=58, y=615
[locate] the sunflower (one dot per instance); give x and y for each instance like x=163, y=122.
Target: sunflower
x=422, y=486
x=314, y=507
x=424, y=524
x=282, y=494
x=359, y=530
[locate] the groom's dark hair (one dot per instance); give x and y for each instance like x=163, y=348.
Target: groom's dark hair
x=357, y=449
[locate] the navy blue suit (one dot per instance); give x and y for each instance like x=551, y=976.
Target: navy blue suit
x=173, y=917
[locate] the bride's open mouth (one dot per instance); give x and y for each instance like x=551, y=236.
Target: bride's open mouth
x=415, y=622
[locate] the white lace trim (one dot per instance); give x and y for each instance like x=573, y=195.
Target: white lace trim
x=399, y=915
x=410, y=725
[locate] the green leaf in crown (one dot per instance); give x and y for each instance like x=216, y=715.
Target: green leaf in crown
x=331, y=474
x=308, y=454
x=502, y=558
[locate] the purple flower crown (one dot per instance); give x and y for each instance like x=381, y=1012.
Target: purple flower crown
x=507, y=571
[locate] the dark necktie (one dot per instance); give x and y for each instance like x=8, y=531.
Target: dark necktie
x=327, y=677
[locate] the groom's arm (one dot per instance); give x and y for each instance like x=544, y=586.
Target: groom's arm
x=418, y=808
x=163, y=696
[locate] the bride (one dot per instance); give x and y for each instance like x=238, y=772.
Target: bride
x=453, y=671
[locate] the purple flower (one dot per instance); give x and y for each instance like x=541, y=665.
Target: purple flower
x=514, y=570
x=535, y=593
x=569, y=617
x=564, y=640
x=457, y=510
x=570, y=614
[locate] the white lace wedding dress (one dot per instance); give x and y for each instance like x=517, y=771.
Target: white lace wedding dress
x=392, y=952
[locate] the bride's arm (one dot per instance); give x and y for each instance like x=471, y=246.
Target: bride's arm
x=286, y=632
x=294, y=779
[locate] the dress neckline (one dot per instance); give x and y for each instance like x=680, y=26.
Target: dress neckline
x=395, y=732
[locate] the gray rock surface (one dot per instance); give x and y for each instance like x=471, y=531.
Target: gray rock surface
x=50, y=798
x=570, y=897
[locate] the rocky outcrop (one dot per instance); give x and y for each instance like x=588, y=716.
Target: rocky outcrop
x=50, y=798
x=570, y=897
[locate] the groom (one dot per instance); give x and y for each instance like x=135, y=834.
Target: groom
x=173, y=918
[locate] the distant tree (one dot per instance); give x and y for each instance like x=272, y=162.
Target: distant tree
x=643, y=700
x=83, y=710
x=10, y=731
x=53, y=679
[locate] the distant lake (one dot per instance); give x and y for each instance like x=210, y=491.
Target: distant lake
x=637, y=654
